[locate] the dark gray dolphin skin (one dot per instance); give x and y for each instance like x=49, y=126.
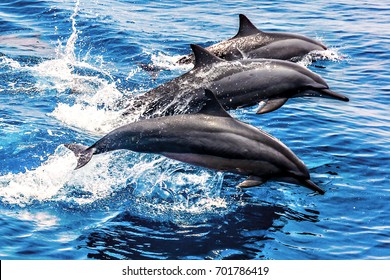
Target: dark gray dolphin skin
x=237, y=84
x=211, y=139
x=250, y=42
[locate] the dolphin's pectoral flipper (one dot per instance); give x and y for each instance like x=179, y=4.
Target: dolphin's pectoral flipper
x=83, y=153
x=271, y=105
x=251, y=181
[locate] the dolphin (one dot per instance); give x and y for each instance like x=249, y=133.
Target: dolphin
x=237, y=84
x=250, y=42
x=211, y=139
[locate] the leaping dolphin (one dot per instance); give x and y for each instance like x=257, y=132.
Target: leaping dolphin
x=250, y=42
x=237, y=84
x=211, y=139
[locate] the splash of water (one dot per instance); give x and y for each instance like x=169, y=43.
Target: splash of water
x=331, y=54
x=38, y=185
x=90, y=96
x=167, y=62
x=157, y=185
x=154, y=185
x=62, y=66
x=9, y=62
x=70, y=44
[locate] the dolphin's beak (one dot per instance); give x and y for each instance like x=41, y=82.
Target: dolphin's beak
x=322, y=45
x=309, y=184
x=334, y=95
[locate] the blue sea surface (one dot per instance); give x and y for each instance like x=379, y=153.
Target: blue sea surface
x=64, y=65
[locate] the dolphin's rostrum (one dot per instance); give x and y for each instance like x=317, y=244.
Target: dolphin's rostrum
x=211, y=139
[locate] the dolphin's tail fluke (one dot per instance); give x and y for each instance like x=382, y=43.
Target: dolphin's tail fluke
x=334, y=95
x=309, y=184
x=83, y=153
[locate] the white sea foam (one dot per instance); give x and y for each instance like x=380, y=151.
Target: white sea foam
x=88, y=118
x=6, y=61
x=159, y=185
x=331, y=54
x=169, y=62
x=91, y=99
x=179, y=196
x=40, y=184
x=164, y=61
x=56, y=180
x=91, y=96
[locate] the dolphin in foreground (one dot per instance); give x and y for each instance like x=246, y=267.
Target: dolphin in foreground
x=237, y=84
x=210, y=139
x=250, y=42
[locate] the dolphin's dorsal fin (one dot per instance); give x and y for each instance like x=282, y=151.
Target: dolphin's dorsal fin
x=203, y=57
x=246, y=27
x=211, y=106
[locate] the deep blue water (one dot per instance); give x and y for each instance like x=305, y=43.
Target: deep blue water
x=65, y=64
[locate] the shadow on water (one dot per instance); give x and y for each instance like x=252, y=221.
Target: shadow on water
x=240, y=234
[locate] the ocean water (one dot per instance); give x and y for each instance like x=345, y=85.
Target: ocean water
x=65, y=64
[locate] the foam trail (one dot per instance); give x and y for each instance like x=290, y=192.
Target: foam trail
x=36, y=185
x=155, y=185
x=93, y=113
x=81, y=116
x=55, y=180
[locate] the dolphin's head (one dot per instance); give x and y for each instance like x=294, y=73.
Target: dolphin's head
x=319, y=88
x=310, y=43
x=299, y=175
x=302, y=181
x=309, y=83
x=269, y=83
x=280, y=164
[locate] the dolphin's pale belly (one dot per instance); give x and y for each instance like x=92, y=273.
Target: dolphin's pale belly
x=238, y=166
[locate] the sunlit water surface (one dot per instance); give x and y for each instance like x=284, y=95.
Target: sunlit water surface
x=65, y=64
